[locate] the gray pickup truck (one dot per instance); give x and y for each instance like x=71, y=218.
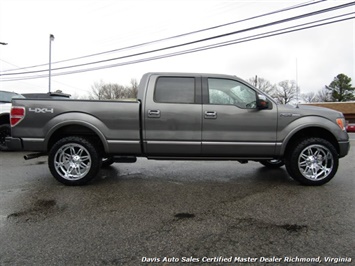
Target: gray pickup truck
x=181, y=116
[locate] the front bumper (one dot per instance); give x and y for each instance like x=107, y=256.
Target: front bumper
x=14, y=144
x=344, y=148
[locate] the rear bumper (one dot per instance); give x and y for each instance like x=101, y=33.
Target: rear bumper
x=13, y=144
x=25, y=144
x=344, y=148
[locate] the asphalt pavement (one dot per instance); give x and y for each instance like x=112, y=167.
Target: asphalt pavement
x=175, y=213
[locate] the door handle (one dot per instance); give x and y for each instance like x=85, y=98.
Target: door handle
x=210, y=114
x=154, y=113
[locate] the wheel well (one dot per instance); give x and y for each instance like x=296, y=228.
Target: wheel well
x=5, y=119
x=75, y=130
x=312, y=132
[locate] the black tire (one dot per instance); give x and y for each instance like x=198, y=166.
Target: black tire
x=107, y=161
x=312, y=161
x=272, y=164
x=5, y=131
x=74, y=161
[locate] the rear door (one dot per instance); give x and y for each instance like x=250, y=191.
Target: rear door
x=173, y=116
x=232, y=124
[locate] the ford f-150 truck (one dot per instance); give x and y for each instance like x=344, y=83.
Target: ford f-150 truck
x=181, y=116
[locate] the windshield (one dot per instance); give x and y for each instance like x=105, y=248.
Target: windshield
x=6, y=96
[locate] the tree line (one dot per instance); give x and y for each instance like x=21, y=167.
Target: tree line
x=112, y=91
x=287, y=91
x=284, y=92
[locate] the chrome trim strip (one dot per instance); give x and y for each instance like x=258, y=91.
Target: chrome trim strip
x=205, y=158
x=173, y=142
x=33, y=139
x=123, y=141
x=214, y=143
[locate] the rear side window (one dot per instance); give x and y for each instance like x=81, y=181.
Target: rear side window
x=175, y=90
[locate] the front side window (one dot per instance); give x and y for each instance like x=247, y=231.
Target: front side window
x=231, y=92
x=175, y=90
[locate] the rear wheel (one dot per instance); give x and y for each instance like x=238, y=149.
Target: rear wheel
x=5, y=131
x=312, y=162
x=74, y=161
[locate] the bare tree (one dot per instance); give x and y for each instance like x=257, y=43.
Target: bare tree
x=112, y=91
x=286, y=91
x=96, y=93
x=324, y=95
x=262, y=84
x=309, y=97
x=133, y=89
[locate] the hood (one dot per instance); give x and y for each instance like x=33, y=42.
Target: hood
x=307, y=110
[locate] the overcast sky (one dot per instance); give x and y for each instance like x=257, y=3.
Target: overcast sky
x=313, y=57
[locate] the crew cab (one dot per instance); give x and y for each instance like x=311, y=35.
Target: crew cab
x=181, y=116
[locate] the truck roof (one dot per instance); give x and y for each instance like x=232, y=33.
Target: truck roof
x=189, y=74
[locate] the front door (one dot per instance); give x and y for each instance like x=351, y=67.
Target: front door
x=232, y=124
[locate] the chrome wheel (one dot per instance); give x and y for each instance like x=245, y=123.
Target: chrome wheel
x=315, y=162
x=72, y=161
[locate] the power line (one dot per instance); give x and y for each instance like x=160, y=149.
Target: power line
x=194, y=42
x=176, y=36
x=208, y=47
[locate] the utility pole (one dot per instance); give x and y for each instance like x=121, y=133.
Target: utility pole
x=51, y=38
x=297, y=88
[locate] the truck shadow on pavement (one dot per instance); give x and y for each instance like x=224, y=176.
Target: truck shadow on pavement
x=115, y=173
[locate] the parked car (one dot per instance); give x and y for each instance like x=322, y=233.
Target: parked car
x=350, y=128
x=5, y=107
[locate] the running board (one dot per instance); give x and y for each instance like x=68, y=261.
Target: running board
x=124, y=159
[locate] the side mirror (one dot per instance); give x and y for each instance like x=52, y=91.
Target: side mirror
x=262, y=104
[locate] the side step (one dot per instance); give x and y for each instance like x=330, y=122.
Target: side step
x=124, y=159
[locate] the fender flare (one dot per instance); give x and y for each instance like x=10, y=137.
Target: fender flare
x=303, y=124
x=75, y=119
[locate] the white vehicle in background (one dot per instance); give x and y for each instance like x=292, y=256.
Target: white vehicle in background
x=5, y=107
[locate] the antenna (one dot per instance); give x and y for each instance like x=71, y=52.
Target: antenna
x=297, y=88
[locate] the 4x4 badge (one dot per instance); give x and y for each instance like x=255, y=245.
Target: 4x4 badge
x=39, y=110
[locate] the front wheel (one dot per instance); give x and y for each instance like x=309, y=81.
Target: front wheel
x=74, y=161
x=312, y=162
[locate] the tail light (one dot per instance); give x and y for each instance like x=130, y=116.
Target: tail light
x=16, y=115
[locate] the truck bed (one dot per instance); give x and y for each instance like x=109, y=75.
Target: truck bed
x=120, y=126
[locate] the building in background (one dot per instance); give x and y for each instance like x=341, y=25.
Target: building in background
x=347, y=108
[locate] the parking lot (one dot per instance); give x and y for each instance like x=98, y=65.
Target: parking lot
x=161, y=212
